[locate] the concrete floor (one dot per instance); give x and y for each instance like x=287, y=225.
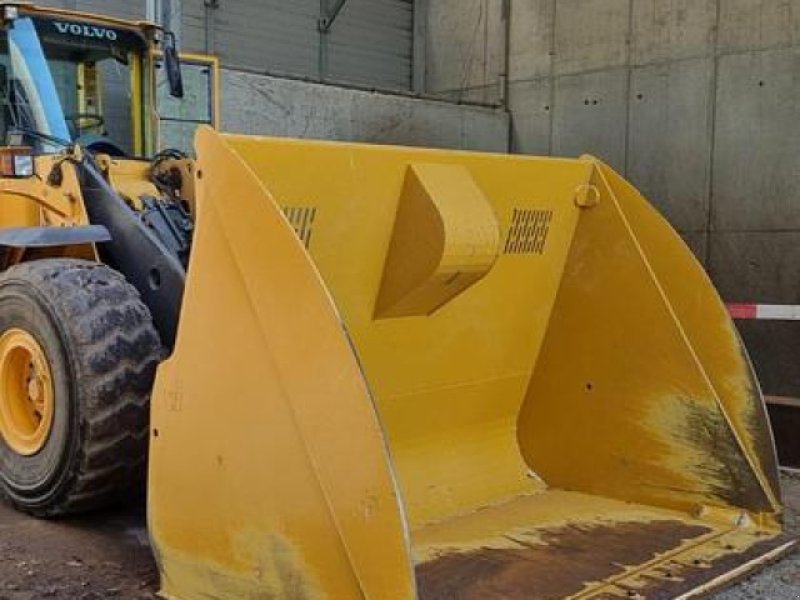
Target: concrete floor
x=107, y=556
x=782, y=580
x=93, y=558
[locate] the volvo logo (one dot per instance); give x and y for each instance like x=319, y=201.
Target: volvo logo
x=84, y=30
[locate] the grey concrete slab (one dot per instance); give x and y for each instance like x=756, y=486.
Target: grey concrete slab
x=485, y=135
x=756, y=159
x=764, y=268
x=591, y=116
x=773, y=347
x=531, y=35
x=756, y=24
x=466, y=44
x=397, y=120
x=257, y=104
x=673, y=30
x=591, y=35
x=756, y=266
x=532, y=112
x=698, y=244
x=669, y=144
x=481, y=133
x=489, y=95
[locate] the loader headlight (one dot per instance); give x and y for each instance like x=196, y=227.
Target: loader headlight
x=16, y=162
x=23, y=165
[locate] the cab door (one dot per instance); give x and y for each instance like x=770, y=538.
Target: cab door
x=179, y=118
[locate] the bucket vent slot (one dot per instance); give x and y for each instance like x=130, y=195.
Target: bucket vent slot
x=301, y=218
x=528, y=232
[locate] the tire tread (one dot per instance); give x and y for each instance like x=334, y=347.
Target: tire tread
x=115, y=350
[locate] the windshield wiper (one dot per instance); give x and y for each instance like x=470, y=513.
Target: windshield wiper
x=40, y=135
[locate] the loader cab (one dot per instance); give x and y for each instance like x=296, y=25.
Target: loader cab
x=70, y=77
x=72, y=81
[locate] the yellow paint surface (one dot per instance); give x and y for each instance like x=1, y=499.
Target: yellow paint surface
x=305, y=434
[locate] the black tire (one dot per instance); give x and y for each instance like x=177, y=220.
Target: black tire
x=102, y=349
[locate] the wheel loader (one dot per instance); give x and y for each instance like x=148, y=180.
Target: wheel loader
x=351, y=371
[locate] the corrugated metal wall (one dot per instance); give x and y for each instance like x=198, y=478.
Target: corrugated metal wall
x=254, y=34
x=370, y=43
x=127, y=9
x=132, y=9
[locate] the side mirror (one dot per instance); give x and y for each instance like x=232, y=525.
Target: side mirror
x=172, y=64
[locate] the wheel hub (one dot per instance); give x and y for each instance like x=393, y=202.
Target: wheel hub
x=26, y=393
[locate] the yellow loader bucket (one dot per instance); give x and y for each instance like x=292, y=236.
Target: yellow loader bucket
x=405, y=373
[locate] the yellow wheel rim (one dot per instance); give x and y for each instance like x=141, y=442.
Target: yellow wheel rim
x=26, y=393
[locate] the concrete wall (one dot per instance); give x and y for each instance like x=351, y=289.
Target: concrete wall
x=268, y=105
x=465, y=49
x=696, y=101
x=273, y=106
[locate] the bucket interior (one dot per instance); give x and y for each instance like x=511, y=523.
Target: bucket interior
x=553, y=429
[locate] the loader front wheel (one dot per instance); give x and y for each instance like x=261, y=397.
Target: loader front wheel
x=78, y=353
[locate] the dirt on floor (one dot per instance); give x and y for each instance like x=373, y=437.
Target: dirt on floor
x=107, y=556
